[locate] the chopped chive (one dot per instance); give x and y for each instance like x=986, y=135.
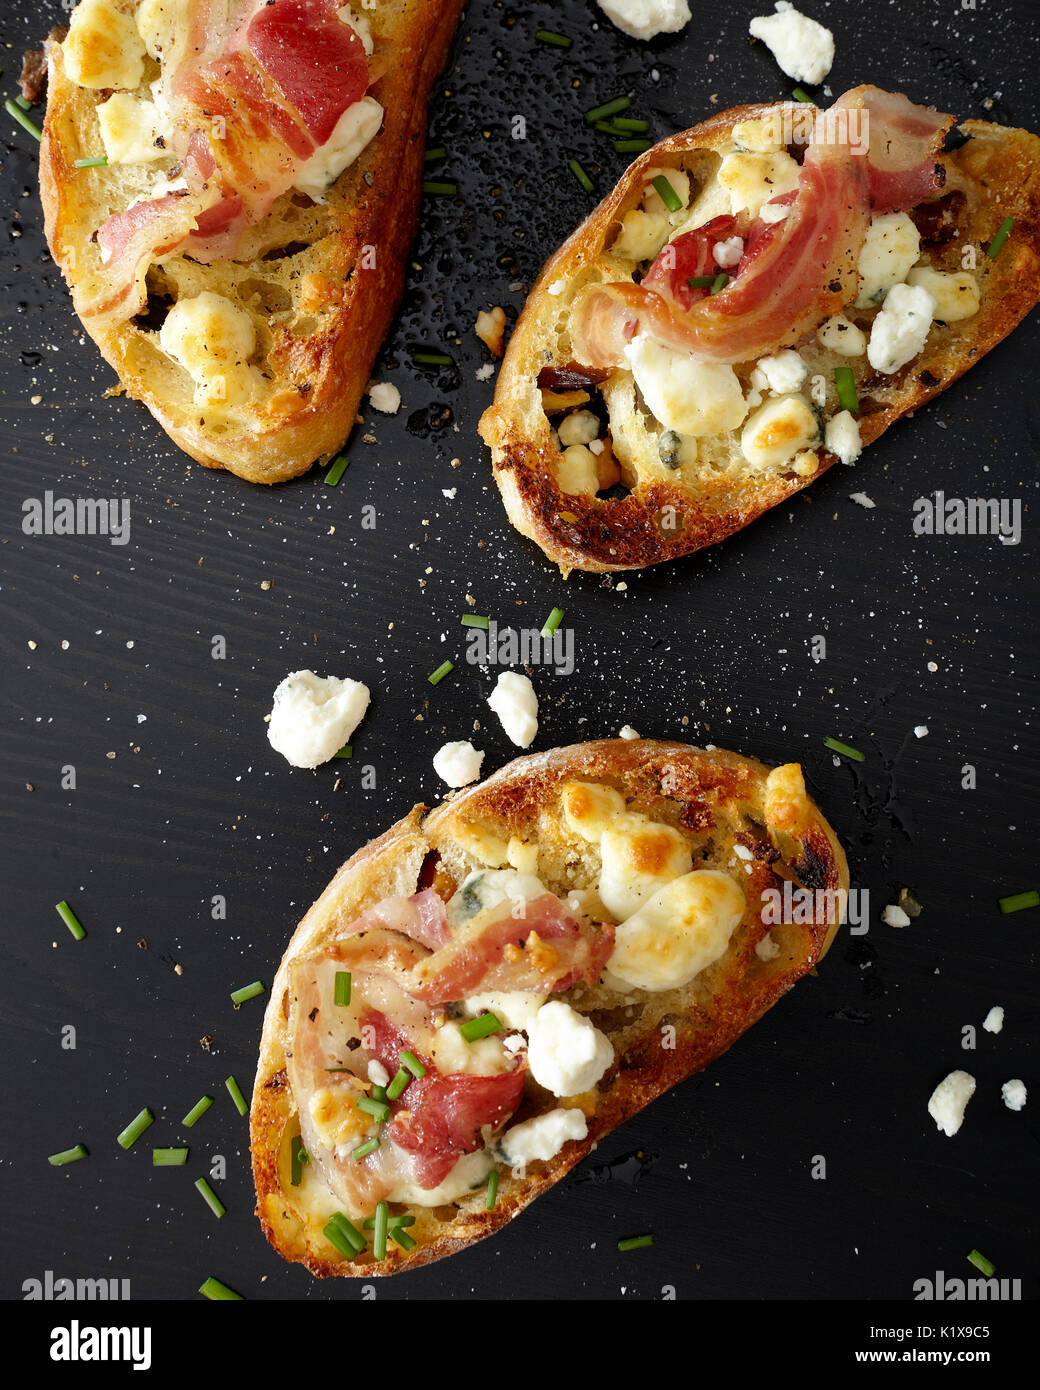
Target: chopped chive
x=397, y=1085
x=700, y=282
x=376, y=1108
x=363, y=1150
x=609, y=108
x=348, y=1230
x=24, y=103
x=475, y=620
x=630, y=123
x=70, y=919
x=298, y=1156
x=23, y=120
x=480, y=1027
x=342, y=991
x=433, y=155
x=1017, y=901
x=379, y=1231
x=492, y=1191
x=211, y=1199
x=800, y=94
x=197, y=1111
x=631, y=146
x=435, y=677
x=635, y=1242
x=552, y=622
x=218, y=1292
x=135, y=1128
x=336, y=1236
x=980, y=1262
x=169, y=1158
x=67, y=1156
x=848, y=396
x=609, y=128
x=432, y=359
x=720, y=282
x=235, y=1092
x=98, y=162
x=378, y=1092
x=345, y=752
x=403, y=1239
x=405, y=1219
x=409, y=1060
x=239, y=996
x=556, y=40
x=438, y=188
x=1003, y=231
x=580, y=174
x=336, y=470
x=839, y=747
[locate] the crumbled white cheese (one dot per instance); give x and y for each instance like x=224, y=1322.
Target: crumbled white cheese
x=514, y=701
x=580, y=427
x=314, y=716
x=920, y=730
x=839, y=334
x=784, y=371
x=1014, y=1094
x=803, y=48
x=357, y=126
x=543, y=1137
x=956, y=295
x=842, y=437
x=626, y=731
x=950, y=1099
x=862, y=499
x=778, y=430
x=894, y=916
x=901, y=328
x=994, y=1020
x=889, y=249
x=690, y=397
x=728, y=253
x=378, y=1074
x=385, y=397
x=457, y=763
x=645, y=19
x=566, y=1053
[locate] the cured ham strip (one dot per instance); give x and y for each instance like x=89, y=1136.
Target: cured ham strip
x=421, y=917
x=905, y=145
x=687, y=258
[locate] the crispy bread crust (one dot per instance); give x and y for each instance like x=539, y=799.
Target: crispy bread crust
x=720, y=799
x=998, y=170
x=374, y=204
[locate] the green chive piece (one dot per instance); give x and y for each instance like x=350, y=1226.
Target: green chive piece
x=720, y=282
x=211, y=1199
x=980, y=1262
x=1017, y=901
x=700, y=282
x=630, y=123
x=345, y=752
x=197, y=1111
x=580, y=174
x=378, y=1092
x=235, y=1092
x=800, y=94
x=609, y=128
x=348, y=1230
x=135, y=1128
x=480, y=1027
x=492, y=1191
x=24, y=103
x=219, y=1292
x=435, y=677
x=439, y=189
x=169, y=1158
x=239, y=996
x=475, y=620
x=433, y=155
x=342, y=993
x=298, y=1156
x=405, y=1219
x=23, y=120
x=403, y=1239
x=432, y=359
x=363, y=1150
x=631, y=146
x=838, y=747
x=409, y=1060
x=552, y=622
x=378, y=1109
x=379, y=1235
x=336, y=470
x=666, y=193
x=635, y=1242
x=335, y=1236
x=67, y=1156
x=609, y=108
x=1003, y=232
x=848, y=396
x=556, y=40
x=397, y=1085
x=70, y=919
x=98, y=162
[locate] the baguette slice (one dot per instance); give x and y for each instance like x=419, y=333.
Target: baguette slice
x=736, y=816
x=669, y=512
x=319, y=306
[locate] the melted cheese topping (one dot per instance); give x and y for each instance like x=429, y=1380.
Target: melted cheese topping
x=213, y=339
x=589, y=809
x=639, y=856
x=129, y=129
x=103, y=47
x=778, y=430
x=754, y=179
x=679, y=932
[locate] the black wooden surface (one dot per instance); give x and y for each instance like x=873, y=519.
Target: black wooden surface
x=107, y=666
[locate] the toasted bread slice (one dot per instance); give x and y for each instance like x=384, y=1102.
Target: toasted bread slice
x=320, y=281
x=733, y=815
x=671, y=506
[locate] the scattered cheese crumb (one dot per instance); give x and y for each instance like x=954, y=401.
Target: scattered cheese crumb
x=994, y=1020
x=921, y=730
x=803, y=48
x=385, y=397
x=862, y=499
x=626, y=731
x=894, y=916
x=949, y=1101
x=458, y=763
x=1014, y=1094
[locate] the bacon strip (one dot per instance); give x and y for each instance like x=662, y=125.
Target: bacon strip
x=905, y=144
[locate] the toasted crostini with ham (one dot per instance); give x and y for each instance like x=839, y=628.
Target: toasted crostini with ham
x=487, y=990
x=758, y=299
x=230, y=187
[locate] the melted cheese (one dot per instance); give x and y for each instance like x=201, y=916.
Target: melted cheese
x=690, y=397
x=355, y=128
x=639, y=856
x=157, y=25
x=212, y=339
x=679, y=932
x=336, y=1118
x=891, y=246
x=452, y=1054
x=589, y=809
x=778, y=430
x=129, y=129
x=754, y=179
x=956, y=295
x=469, y=1173
x=103, y=47
x=641, y=236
